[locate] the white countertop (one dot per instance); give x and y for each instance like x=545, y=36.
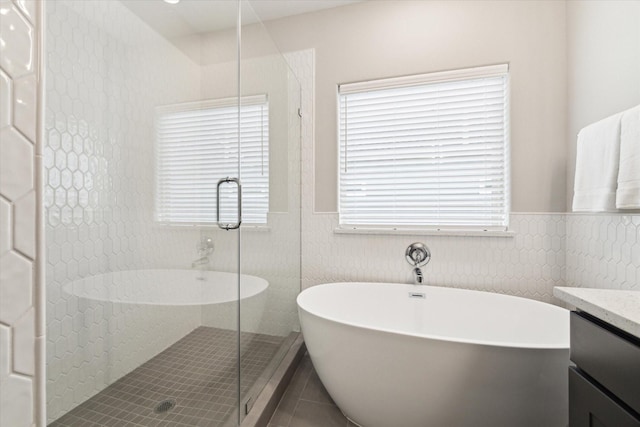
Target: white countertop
x=618, y=308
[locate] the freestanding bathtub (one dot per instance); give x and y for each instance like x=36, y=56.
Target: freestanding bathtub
x=422, y=356
x=167, y=287
x=215, y=292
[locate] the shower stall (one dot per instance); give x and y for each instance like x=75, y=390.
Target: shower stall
x=171, y=180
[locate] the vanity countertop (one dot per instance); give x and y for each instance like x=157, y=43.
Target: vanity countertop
x=618, y=308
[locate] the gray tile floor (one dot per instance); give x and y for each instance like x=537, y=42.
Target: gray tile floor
x=306, y=402
x=199, y=373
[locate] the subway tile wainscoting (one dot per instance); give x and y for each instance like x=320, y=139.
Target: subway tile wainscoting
x=548, y=250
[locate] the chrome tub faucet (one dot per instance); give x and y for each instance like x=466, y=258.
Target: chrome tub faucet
x=205, y=249
x=418, y=255
x=417, y=276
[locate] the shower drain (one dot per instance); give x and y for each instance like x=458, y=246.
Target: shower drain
x=164, y=406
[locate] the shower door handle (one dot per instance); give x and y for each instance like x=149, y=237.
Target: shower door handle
x=237, y=224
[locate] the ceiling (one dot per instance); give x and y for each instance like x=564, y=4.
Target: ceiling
x=202, y=16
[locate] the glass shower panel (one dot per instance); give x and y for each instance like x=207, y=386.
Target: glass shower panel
x=141, y=122
x=270, y=173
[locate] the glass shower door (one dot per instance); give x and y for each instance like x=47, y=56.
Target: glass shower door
x=270, y=234
x=142, y=285
x=172, y=194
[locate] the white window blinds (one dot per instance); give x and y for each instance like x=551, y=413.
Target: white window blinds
x=196, y=145
x=427, y=151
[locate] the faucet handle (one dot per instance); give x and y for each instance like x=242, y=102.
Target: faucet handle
x=418, y=254
x=205, y=246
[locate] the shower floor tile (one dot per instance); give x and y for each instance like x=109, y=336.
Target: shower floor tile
x=198, y=373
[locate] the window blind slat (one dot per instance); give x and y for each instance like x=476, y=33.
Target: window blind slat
x=425, y=154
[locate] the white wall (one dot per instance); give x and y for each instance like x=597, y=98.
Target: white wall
x=603, y=67
x=377, y=39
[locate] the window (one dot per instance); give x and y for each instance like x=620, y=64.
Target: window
x=197, y=144
x=428, y=151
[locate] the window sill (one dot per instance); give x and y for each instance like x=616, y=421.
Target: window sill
x=424, y=232
x=257, y=228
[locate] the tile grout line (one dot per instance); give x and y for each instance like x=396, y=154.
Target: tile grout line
x=295, y=408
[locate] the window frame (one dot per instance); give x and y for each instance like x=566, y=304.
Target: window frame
x=250, y=100
x=417, y=80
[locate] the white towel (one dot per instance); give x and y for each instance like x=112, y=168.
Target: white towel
x=628, y=194
x=597, y=161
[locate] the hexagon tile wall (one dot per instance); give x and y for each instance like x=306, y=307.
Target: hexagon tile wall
x=106, y=72
x=603, y=251
x=21, y=333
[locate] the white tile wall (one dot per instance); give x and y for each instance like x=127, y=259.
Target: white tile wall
x=272, y=255
x=19, y=55
x=603, y=251
x=528, y=264
x=106, y=71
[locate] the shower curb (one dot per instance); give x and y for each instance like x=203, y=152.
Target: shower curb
x=267, y=402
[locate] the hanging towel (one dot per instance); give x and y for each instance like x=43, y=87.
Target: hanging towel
x=628, y=194
x=597, y=161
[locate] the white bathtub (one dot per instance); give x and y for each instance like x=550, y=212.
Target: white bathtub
x=167, y=287
x=454, y=358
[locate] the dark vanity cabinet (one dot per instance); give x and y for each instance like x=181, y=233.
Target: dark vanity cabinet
x=604, y=386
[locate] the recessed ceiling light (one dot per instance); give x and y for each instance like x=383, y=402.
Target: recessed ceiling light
x=172, y=1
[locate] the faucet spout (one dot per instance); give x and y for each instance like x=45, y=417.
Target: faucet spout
x=200, y=261
x=205, y=248
x=418, y=279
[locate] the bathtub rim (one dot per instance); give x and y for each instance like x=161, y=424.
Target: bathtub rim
x=261, y=285
x=436, y=337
